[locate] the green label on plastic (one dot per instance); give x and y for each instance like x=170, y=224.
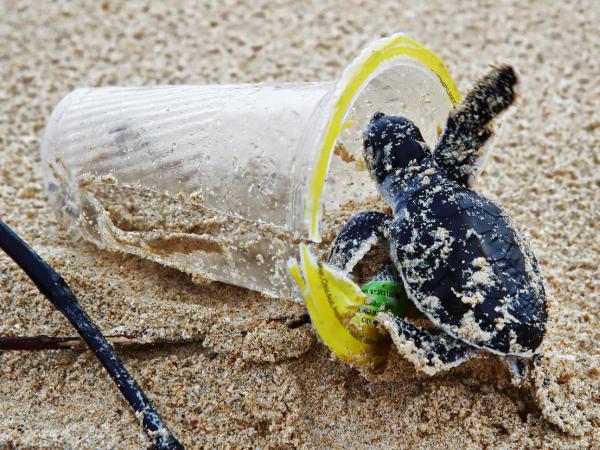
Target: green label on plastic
x=385, y=295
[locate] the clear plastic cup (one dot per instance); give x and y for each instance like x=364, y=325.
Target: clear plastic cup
x=224, y=182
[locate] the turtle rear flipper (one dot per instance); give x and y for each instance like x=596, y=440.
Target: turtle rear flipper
x=467, y=128
x=430, y=350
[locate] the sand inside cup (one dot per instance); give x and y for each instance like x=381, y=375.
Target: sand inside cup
x=161, y=227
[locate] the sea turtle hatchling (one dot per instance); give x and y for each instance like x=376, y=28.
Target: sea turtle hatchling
x=460, y=259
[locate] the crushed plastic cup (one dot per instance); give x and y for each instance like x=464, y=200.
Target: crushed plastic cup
x=229, y=182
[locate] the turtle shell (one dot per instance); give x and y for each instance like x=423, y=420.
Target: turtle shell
x=469, y=271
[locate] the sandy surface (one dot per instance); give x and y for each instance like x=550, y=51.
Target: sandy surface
x=244, y=370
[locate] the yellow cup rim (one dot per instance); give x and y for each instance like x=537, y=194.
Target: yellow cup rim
x=355, y=77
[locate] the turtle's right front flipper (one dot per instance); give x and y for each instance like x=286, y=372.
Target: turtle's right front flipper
x=356, y=238
x=467, y=128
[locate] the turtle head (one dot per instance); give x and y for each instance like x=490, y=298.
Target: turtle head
x=391, y=144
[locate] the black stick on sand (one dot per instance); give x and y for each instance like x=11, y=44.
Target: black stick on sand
x=57, y=291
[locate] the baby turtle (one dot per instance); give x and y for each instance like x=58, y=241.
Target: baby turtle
x=461, y=260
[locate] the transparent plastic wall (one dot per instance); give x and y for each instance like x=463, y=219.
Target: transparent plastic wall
x=224, y=182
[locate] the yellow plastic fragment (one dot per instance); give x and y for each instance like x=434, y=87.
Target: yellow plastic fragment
x=332, y=300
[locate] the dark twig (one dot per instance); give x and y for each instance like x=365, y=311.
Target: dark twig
x=57, y=291
x=43, y=342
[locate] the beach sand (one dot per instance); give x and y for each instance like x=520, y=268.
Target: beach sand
x=232, y=368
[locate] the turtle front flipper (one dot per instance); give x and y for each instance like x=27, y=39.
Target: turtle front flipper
x=430, y=350
x=467, y=128
x=357, y=237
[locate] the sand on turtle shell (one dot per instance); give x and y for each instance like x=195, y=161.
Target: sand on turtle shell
x=233, y=368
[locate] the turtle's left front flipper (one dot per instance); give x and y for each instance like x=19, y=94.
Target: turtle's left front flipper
x=357, y=237
x=467, y=128
x=430, y=350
